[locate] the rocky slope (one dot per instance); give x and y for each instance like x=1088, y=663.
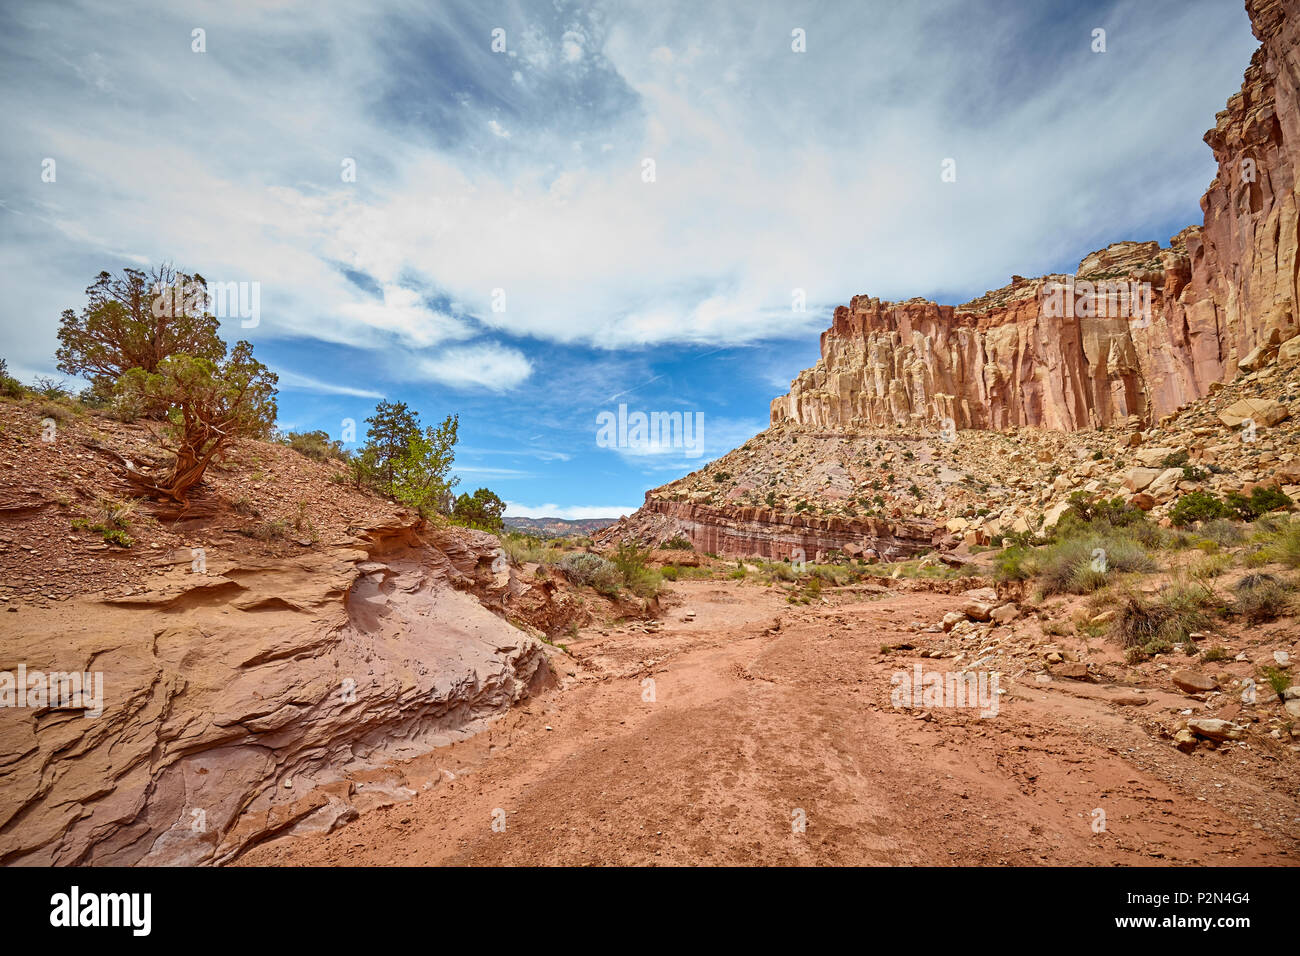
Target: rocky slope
x=853, y=455
x=259, y=665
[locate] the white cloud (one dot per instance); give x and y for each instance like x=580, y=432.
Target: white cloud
x=765, y=181
x=292, y=380
x=491, y=366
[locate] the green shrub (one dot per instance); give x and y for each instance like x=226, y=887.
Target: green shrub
x=1090, y=510
x=10, y=387
x=1068, y=566
x=1013, y=564
x=1262, y=500
x=583, y=567
x=679, y=543
x=633, y=566
x=1277, y=679
x=1198, y=506
x=314, y=445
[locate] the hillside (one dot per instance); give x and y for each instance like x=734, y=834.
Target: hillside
x=254, y=664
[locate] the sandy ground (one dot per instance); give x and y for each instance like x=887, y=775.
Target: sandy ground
x=765, y=716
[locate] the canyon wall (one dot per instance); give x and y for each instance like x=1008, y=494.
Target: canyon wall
x=768, y=532
x=1220, y=295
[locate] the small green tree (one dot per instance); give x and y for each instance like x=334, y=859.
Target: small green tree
x=483, y=509
x=393, y=427
x=419, y=477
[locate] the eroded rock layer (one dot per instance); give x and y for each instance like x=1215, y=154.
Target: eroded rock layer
x=770, y=533
x=1221, y=294
x=253, y=700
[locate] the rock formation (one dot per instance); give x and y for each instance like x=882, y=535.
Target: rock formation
x=1221, y=295
x=1138, y=332
x=255, y=700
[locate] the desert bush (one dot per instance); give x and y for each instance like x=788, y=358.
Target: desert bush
x=272, y=529
x=1261, y=597
x=678, y=543
x=10, y=387
x=583, y=567
x=1210, y=566
x=110, y=519
x=832, y=574
x=1198, y=506
x=525, y=548
x=1277, y=679
x=1275, y=542
x=1262, y=500
x=1070, y=565
x=316, y=445
x=779, y=571
x=1013, y=564
x=1089, y=511
x=1177, y=611
x=633, y=565
x=60, y=413
x=1224, y=531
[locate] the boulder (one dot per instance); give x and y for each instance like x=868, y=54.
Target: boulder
x=1153, y=457
x=1214, y=728
x=1165, y=484
x=1264, y=411
x=1193, y=682
x=1005, y=614
x=1138, y=479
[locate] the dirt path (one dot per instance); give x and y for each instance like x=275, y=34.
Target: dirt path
x=763, y=712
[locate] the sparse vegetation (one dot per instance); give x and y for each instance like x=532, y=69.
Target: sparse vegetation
x=1154, y=626
x=1262, y=597
x=110, y=519
x=315, y=445
x=585, y=568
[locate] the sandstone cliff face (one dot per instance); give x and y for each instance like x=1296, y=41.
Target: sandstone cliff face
x=773, y=534
x=1220, y=293
x=256, y=700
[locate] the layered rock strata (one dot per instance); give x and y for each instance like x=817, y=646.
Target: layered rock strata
x=254, y=700
x=1222, y=294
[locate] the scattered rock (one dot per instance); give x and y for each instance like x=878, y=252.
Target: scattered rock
x=1214, y=728
x=1193, y=682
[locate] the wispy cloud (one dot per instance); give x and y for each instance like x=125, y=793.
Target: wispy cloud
x=293, y=380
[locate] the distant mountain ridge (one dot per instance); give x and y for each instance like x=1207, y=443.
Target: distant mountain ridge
x=558, y=527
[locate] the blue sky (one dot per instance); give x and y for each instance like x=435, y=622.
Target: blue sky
x=501, y=252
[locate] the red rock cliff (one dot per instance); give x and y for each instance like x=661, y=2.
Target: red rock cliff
x=1220, y=295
